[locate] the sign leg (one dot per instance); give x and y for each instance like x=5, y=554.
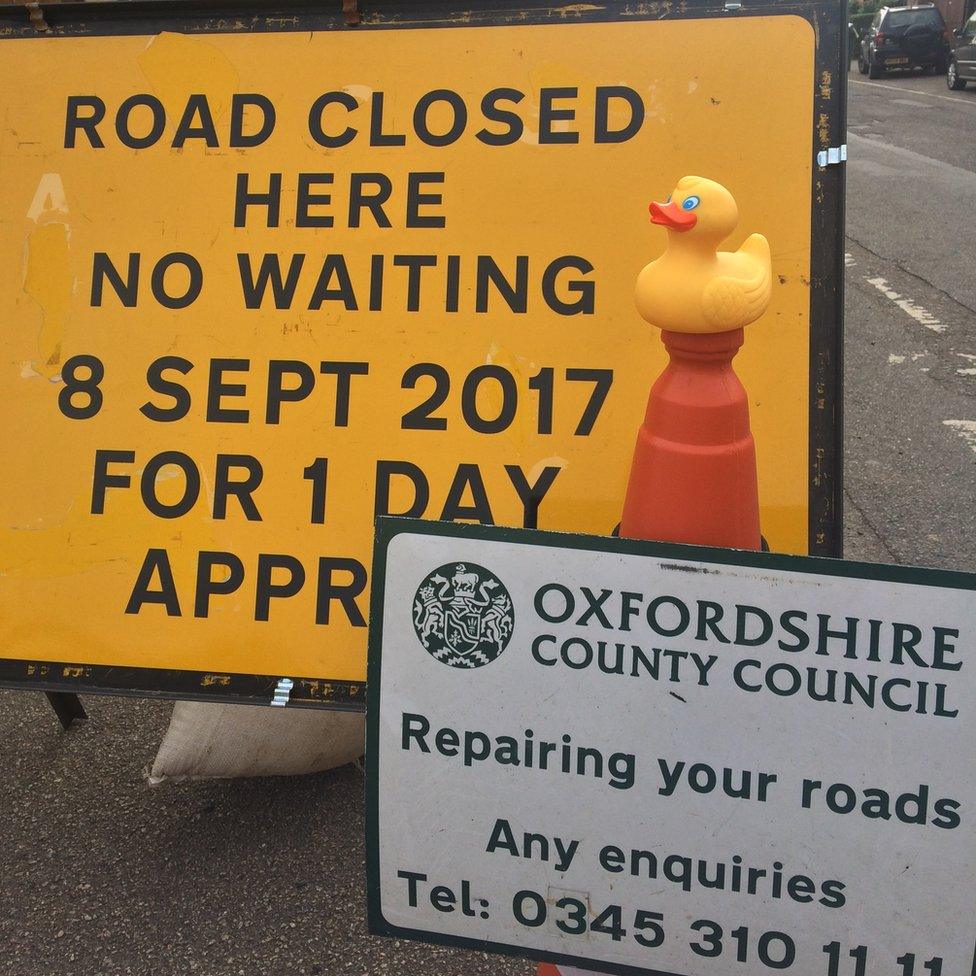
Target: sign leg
x=67, y=706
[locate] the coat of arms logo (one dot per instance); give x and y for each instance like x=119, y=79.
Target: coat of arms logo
x=463, y=615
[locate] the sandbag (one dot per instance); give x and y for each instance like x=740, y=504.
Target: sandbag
x=211, y=740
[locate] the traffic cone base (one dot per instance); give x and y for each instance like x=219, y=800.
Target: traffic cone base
x=693, y=477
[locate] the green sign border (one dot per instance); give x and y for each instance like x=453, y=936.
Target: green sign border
x=387, y=529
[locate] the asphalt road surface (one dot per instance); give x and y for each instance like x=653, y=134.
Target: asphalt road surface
x=103, y=875
x=910, y=386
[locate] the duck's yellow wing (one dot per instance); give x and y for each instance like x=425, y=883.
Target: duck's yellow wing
x=733, y=302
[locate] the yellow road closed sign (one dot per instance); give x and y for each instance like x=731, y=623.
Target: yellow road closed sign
x=263, y=280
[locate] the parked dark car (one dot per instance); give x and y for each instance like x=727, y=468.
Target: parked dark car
x=962, y=61
x=903, y=38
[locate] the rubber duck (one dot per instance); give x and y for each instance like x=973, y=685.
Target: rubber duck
x=694, y=287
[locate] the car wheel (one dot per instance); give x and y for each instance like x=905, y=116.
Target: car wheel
x=875, y=70
x=862, y=65
x=953, y=80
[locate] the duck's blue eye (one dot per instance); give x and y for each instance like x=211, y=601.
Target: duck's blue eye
x=690, y=203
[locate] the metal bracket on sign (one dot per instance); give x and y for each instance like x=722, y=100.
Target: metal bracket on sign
x=731, y=6
x=833, y=156
x=282, y=692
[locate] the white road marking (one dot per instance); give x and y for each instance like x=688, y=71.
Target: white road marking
x=966, y=429
x=921, y=315
x=849, y=260
x=914, y=91
x=896, y=360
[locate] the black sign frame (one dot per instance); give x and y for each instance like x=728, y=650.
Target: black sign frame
x=829, y=96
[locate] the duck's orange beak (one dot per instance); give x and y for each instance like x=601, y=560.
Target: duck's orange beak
x=670, y=215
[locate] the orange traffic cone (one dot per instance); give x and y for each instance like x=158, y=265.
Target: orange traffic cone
x=693, y=477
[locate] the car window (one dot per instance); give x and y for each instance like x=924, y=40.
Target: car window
x=970, y=29
x=902, y=19
x=876, y=21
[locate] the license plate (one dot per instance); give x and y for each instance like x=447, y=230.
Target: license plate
x=897, y=61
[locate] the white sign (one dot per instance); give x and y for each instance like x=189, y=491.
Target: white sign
x=641, y=757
